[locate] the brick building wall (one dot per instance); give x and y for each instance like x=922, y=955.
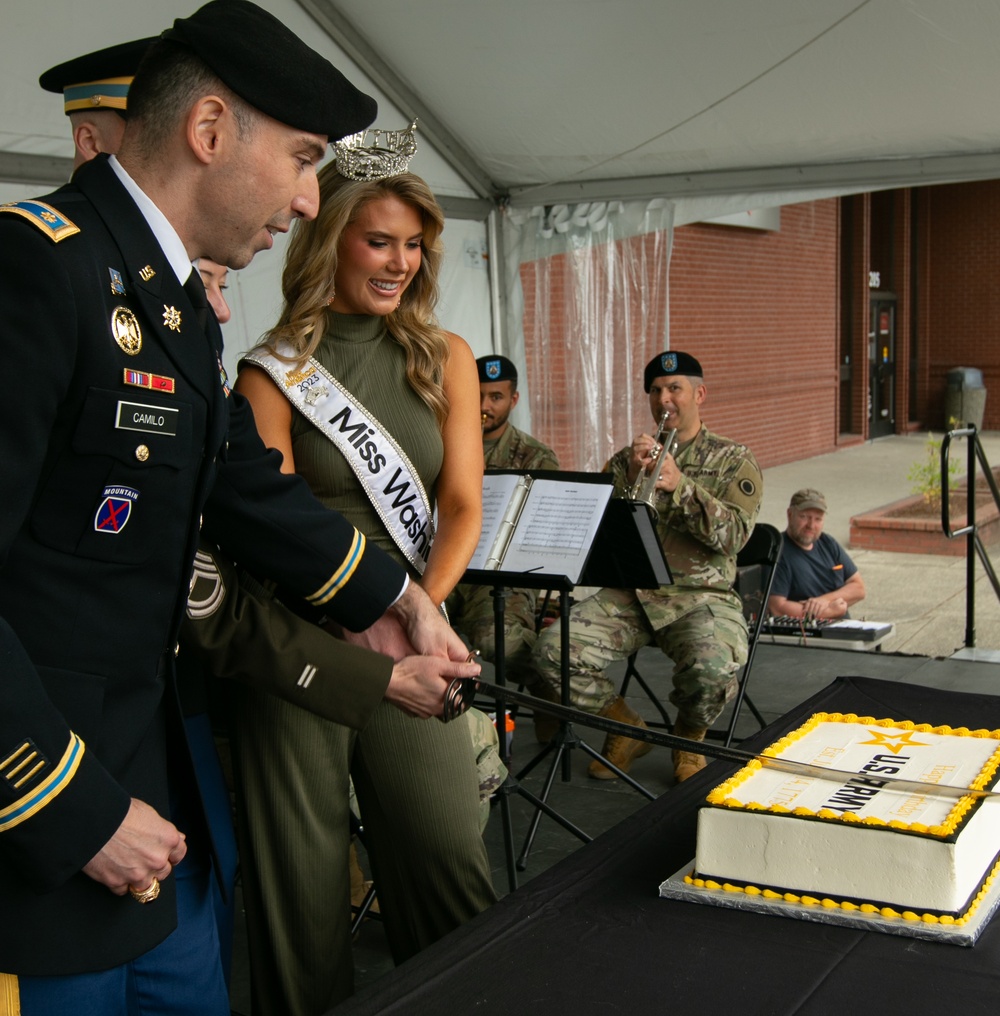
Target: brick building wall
x=758, y=309
x=960, y=239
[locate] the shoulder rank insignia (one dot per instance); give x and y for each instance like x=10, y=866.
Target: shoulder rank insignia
x=53, y=224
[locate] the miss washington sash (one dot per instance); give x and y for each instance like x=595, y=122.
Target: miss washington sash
x=385, y=473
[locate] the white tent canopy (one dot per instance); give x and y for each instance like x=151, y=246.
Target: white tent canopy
x=719, y=105
x=567, y=100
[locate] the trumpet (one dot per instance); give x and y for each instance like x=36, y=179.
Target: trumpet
x=644, y=487
x=482, y=421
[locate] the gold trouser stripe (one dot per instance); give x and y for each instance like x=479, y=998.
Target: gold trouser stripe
x=10, y=995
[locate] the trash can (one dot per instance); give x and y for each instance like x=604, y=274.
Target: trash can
x=965, y=398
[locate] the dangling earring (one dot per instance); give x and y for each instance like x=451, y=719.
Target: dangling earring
x=329, y=302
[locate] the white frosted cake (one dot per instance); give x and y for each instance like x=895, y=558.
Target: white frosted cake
x=863, y=847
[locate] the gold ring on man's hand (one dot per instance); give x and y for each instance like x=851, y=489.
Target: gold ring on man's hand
x=148, y=894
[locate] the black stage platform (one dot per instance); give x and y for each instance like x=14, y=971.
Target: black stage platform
x=591, y=935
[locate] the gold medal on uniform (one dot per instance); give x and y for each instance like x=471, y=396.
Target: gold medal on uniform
x=172, y=318
x=125, y=329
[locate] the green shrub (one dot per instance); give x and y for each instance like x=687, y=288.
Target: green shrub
x=925, y=475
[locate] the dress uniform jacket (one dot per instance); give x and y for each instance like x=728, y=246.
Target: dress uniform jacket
x=237, y=627
x=117, y=431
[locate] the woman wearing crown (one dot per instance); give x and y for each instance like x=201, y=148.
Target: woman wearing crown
x=377, y=407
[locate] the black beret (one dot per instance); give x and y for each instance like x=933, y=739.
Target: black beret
x=496, y=368
x=97, y=80
x=666, y=364
x=271, y=68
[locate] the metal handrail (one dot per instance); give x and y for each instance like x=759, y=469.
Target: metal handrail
x=970, y=530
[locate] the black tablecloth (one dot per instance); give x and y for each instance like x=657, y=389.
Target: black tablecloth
x=592, y=936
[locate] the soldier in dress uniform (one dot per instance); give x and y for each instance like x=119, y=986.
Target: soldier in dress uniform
x=94, y=88
x=119, y=435
x=470, y=607
x=707, y=496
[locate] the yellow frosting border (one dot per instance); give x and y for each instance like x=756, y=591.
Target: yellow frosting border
x=722, y=795
x=868, y=909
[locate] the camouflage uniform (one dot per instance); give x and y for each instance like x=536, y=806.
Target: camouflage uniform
x=698, y=621
x=470, y=607
x=516, y=450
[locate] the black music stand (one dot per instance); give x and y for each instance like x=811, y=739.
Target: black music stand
x=624, y=553
x=511, y=784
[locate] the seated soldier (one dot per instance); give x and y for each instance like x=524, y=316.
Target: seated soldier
x=470, y=607
x=707, y=496
x=815, y=577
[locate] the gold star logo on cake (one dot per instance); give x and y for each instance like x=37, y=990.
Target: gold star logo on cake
x=895, y=742
x=172, y=318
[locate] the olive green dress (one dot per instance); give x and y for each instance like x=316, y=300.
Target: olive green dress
x=416, y=780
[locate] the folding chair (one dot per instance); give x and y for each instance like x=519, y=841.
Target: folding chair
x=755, y=566
x=631, y=670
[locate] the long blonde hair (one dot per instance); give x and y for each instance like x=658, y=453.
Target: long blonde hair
x=311, y=264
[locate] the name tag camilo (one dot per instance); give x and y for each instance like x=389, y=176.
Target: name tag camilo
x=148, y=419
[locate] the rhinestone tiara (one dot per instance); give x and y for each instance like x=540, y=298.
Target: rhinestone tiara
x=386, y=153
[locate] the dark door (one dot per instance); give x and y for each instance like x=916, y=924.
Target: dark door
x=882, y=365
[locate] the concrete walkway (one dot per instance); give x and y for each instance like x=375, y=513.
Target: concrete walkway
x=923, y=595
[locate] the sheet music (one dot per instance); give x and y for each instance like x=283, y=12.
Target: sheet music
x=559, y=523
x=497, y=490
x=554, y=531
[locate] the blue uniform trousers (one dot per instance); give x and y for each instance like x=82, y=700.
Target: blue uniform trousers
x=182, y=976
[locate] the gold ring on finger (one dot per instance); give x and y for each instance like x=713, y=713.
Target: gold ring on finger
x=146, y=895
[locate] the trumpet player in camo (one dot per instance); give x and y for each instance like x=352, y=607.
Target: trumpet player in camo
x=706, y=490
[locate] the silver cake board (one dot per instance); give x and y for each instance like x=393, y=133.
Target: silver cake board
x=676, y=888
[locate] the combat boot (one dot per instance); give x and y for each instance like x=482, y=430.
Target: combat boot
x=618, y=749
x=687, y=763
x=546, y=725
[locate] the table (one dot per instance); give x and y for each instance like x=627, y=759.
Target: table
x=591, y=935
